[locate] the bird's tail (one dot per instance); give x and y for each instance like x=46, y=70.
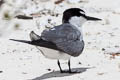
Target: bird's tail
x=37, y=41
x=33, y=37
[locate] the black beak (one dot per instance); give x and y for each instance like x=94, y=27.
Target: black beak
x=92, y=18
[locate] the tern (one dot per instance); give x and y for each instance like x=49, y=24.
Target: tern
x=63, y=41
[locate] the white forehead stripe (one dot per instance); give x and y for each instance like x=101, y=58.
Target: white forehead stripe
x=82, y=12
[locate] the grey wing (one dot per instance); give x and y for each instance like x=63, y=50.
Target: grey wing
x=66, y=37
x=73, y=48
x=61, y=33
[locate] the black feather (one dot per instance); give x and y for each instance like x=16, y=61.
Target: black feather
x=40, y=42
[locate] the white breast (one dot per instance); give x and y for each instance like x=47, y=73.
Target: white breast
x=54, y=54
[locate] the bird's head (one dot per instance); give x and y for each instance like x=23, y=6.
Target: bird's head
x=76, y=16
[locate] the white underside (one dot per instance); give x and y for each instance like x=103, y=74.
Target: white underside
x=53, y=54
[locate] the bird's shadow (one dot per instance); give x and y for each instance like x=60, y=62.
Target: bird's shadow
x=58, y=74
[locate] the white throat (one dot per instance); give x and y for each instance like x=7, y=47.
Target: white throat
x=78, y=22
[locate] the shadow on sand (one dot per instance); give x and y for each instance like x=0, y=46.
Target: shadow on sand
x=58, y=74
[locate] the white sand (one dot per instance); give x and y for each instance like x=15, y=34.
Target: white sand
x=20, y=61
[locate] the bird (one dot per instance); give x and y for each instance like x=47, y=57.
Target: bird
x=63, y=41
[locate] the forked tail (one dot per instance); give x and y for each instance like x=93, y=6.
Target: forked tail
x=34, y=37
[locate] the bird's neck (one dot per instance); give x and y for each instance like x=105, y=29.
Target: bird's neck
x=78, y=22
x=81, y=36
x=79, y=27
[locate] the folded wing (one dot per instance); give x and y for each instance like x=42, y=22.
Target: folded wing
x=66, y=38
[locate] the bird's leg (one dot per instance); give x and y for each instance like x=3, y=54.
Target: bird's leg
x=69, y=66
x=60, y=66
